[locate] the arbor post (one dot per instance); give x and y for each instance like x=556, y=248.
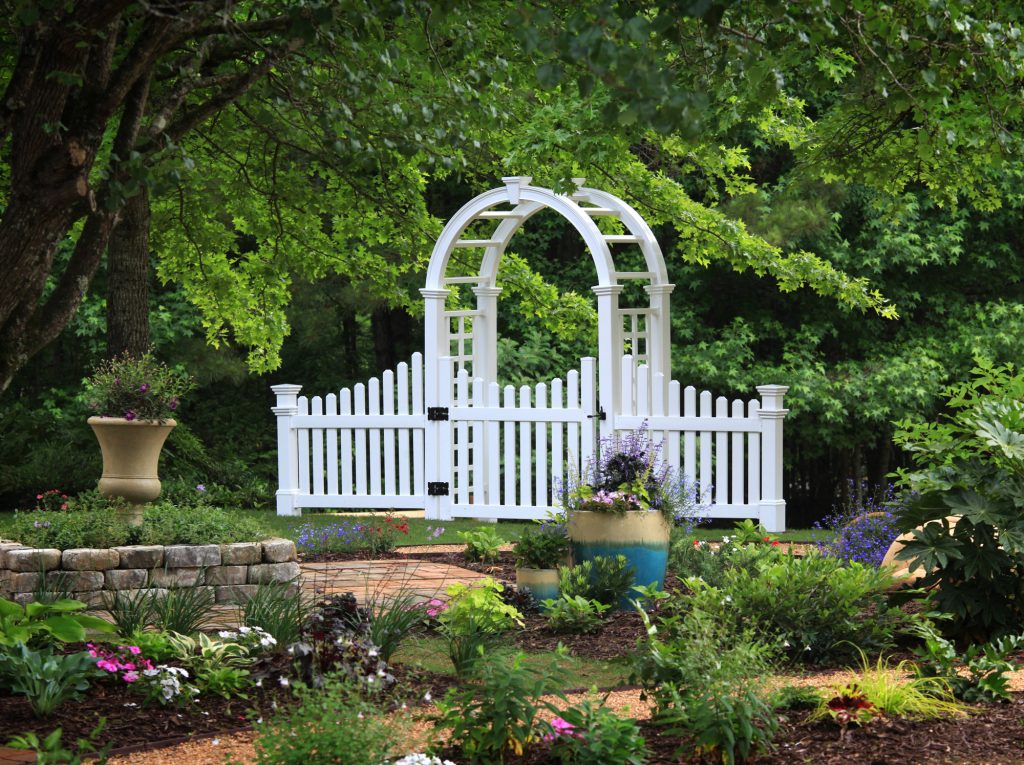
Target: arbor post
x=773, y=505
x=287, y=448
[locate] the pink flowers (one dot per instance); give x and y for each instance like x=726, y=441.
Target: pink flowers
x=120, y=661
x=436, y=607
x=561, y=728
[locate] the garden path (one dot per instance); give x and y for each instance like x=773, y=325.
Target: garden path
x=375, y=579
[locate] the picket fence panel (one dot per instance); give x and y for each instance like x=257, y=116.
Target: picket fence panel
x=503, y=452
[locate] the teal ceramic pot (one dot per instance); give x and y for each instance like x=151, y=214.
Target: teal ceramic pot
x=542, y=583
x=643, y=537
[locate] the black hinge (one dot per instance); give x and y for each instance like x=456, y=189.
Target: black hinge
x=437, y=414
x=601, y=415
x=437, y=488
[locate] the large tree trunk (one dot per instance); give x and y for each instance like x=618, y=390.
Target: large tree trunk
x=128, y=280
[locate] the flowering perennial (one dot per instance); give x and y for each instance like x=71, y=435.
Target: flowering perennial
x=125, y=660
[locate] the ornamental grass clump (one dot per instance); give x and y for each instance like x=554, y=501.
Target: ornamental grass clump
x=136, y=388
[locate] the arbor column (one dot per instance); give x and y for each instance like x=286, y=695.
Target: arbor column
x=659, y=335
x=609, y=354
x=485, y=334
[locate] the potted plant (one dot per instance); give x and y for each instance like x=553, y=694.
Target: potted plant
x=135, y=398
x=538, y=554
x=626, y=505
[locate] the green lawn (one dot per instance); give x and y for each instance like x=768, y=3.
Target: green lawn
x=431, y=653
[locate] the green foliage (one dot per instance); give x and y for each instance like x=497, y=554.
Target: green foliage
x=730, y=724
x=543, y=547
x=498, y=716
x=154, y=645
x=482, y=545
x=166, y=524
x=62, y=621
x=337, y=725
x=46, y=679
x=395, y=618
x=970, y=463
x=707, y=682
x=226, y=682
x=97, y=527
x=136, y=388
x=817, y=608
x=131, y=613
x=796, y=697
x=987, y=665
x=51, y=751
x=604, y=579
x=478, y=608
x=574, y=614
x=277, y=607
x=692, y=558
x=598, y=735
x=183, y=609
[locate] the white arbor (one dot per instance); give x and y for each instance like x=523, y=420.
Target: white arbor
x=442, y=435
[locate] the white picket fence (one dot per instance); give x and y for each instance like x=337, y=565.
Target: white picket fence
x=493, y=452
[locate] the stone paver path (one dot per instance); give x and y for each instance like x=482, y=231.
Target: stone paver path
x=375, y=579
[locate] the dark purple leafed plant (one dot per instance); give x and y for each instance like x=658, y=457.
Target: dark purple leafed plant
x=863, y=530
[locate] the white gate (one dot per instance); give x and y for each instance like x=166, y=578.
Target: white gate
x=441, y=434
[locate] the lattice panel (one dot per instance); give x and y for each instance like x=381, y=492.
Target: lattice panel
x=635, y=335
x=460, y=339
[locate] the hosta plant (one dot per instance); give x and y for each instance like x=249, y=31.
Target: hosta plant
x=62, y=621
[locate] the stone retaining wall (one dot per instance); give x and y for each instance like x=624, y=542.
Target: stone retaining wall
x=231, y=572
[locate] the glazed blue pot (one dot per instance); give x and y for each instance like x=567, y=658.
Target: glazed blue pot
x=642, y=537
x=542, y=583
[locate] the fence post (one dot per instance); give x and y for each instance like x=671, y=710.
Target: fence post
x=773, y=505
x=287, y=448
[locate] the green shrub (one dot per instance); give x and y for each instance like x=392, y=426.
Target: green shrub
x=574, y=614
x=479, y=605
x=818, y=608
x=542, y=547
x=707, y=683
x=796, y=697
x=986, y=665
x=604, y=579
x=597, y=735
x=482, y=545
x=46, y=679
x=166, y=524
x=51, y=750
x=498, y=714
x=97, y=527
x=130, y=613
x=689, y=557
x=970, y=463
x=332, y=723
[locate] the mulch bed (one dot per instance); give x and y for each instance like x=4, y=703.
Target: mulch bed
x=129, y=723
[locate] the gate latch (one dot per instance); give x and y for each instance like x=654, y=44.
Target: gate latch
x=437, y=413
x=437, y=488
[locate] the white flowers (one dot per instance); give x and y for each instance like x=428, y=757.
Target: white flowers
x=169, y=682
x=421, y=759
x=250, y=638
x=284, y=682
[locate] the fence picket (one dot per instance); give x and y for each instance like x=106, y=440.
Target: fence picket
x=643, y=402
x=689, y=437
x=510, y=448
x=418, y=478
x=359, y=405
x=303, y=434
x=706, y=485
x=753, y=457
x=588, y=401
x=673, y=437
x=493, y=449
x=736, y=462
x=373, y=391
x=628, y=376
x=388, y=381
x=557, y=444
x=478, y=455
x=525, y=449
x=721, y=455
x=345, y=407
x=573, y=450
x=316, y=485
x=404, y=468
x=331, y=408
x=462, y=438
x=541, y=452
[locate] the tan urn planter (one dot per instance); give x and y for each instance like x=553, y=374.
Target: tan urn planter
x=542, y=583
x=131, y=456
x=642, y=536
x=901, y=568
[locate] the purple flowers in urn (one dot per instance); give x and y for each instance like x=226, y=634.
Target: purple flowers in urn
x=136, y=388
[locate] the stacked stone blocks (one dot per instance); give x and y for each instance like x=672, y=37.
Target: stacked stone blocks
x=231, y=571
